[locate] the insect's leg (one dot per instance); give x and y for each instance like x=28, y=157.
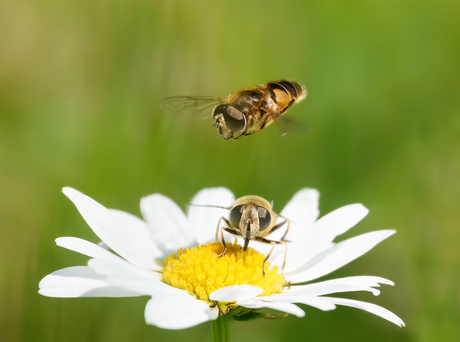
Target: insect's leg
x=262, y=123
x=288, y=221
x=217, y=229
x=268, y=256
x=284, y=260
x=232, y=231
x=261, y=239
x=223, y=243
x=279, y=225
x=222, y=236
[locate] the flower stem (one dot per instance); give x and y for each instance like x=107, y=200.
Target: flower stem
x=221, y=329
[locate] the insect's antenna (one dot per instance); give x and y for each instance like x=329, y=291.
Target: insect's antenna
x=207, y=205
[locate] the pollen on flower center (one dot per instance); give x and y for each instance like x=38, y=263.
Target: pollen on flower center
x=200, y=271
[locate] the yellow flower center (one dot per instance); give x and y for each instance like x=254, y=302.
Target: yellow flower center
x=200, y=271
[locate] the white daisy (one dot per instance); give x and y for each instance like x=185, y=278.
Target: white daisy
x=173, y=258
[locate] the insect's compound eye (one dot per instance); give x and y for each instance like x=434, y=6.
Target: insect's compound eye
x=264, y=218
x=235, y=215
x=234, y=119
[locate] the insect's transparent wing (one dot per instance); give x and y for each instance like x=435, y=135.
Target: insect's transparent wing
x=196, y=107
x=287, y=125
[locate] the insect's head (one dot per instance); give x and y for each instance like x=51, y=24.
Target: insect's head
x=250, y=218
x=228, y=120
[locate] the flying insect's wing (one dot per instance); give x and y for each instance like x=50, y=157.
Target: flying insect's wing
x=195, y=107
x=288, y=125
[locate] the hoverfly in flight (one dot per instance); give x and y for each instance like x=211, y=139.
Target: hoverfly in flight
x=245, y=112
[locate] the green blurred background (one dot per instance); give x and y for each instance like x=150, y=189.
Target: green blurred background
x=81, y=83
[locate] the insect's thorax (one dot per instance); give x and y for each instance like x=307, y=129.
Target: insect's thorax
x=257, y=105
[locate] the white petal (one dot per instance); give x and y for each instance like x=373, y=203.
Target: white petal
x=302, y=210
x=316, y=302
x=106, y=267
x=79, y=281
x=86, y=248
x=361, y=283
x=204, y=219
x=94, y=251
x=142, y=284
x=236, y=293
x=168, y=223
x=180, y=311
x=280, y=306
x=319, y=237
x=372, y=308
x=139, y=232
x=118, y=237
x=338, y=255
x=339, y=221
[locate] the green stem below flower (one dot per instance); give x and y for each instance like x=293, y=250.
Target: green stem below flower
x=221, y=329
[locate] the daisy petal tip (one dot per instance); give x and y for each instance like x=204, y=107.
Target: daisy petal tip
x=369, y=307
x=63, y=241
x=60, y=239
x=41, y=285
x=398, y=321
x=145, y=201
x=218, y=196
x=310, y=192
x=154, y=201
x=330, y=308
x=67, y=189
x=70, y=192
x=146, y=198
x=389, y=232
x=376, y=292
x=385, y=281
x=300, y=314
x=361, y=208
x=44, y=293
x=217, y=190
